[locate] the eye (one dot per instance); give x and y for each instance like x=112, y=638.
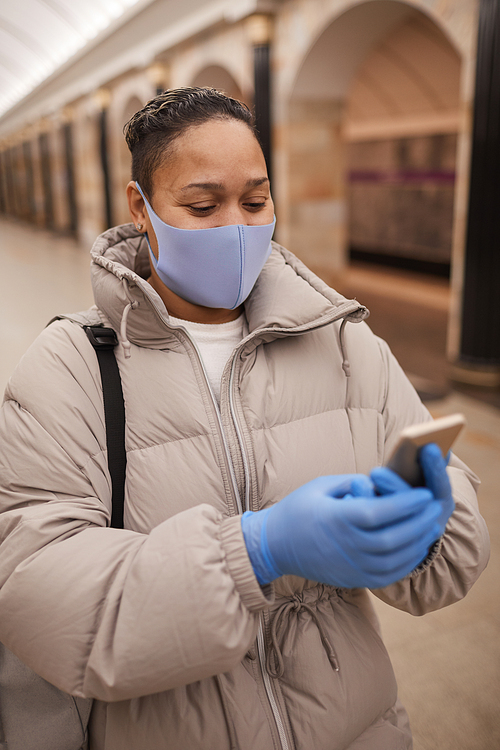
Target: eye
x=254, y=205
x=201, y=209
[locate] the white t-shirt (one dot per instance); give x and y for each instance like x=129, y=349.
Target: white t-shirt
x=216, y=342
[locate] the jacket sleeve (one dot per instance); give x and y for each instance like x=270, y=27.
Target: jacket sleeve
x=460, y=556
x=100, y=612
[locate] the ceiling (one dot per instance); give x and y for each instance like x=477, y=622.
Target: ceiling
x=39, y=36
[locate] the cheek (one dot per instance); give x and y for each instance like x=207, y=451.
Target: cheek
x=268, y=214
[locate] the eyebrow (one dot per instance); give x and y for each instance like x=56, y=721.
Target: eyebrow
x=218, y=186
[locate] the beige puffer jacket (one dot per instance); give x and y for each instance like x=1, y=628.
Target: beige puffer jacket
x=164, y=622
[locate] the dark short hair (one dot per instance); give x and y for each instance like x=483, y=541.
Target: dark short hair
x=152, y=130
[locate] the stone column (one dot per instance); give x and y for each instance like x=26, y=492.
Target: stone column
x=29, y=177
x=58, y=175
x=10, y=205
x=479, y=350
x=88, y=172
x=46, y=172
x=317, y=230
x=3, y=184
x=69, y=176
x=260, y=32
x=20, y=182
x=37, y=178
x=103, y=96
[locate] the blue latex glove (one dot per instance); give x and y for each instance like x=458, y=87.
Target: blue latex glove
x=334, y=530
x=436, y=480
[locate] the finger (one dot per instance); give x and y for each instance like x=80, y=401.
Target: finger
x=417, y=529
x=362, y=486
x=401, y=562
x=386, y=510
x=387, y=481
x=434, y=468
x=339, y=485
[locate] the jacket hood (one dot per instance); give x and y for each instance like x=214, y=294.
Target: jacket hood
x=286, y=297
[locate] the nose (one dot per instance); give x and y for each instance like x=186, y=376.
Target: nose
x=232, y=214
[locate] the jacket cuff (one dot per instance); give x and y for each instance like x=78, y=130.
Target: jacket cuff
x=434, y=551
x=253, y=596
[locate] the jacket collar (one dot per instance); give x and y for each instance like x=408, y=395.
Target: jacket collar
x=287, y=297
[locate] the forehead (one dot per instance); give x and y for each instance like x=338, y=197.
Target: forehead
x=215, y=151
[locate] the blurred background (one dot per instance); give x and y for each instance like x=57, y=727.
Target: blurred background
x=380, y=123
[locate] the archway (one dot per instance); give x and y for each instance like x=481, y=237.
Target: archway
x=218, y=78
x=373, y=118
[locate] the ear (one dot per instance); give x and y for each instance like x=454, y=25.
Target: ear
x=136, y=206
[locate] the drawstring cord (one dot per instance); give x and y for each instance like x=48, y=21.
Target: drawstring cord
x=131, y=305
x=345, y=362
x=274, y=662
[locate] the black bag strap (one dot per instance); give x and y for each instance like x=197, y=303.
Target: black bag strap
x=104, y=341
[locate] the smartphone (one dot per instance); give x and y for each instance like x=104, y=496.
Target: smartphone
x=404, y=458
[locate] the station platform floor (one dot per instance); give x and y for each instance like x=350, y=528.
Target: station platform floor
x=448, y=662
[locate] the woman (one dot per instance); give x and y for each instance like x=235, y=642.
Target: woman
x=256, y=403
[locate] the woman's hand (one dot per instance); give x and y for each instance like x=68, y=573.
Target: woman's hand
x=433, y=464
x=335, y=530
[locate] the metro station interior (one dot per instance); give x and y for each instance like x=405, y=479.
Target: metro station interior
x=381, y=133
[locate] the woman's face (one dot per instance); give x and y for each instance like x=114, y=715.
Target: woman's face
x=215, y=176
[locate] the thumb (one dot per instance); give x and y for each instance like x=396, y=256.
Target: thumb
x=387, y=481
x=362, y=486
x=434, y=468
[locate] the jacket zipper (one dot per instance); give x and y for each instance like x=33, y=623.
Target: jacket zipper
x=260, y=633
x=269, y=688
x=239, y=435
x=219, y=420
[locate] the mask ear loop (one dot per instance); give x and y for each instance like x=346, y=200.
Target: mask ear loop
x=149, y=210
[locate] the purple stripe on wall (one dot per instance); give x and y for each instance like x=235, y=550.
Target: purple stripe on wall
x=399, y=176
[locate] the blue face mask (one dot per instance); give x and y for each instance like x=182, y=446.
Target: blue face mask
x=215, y=267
